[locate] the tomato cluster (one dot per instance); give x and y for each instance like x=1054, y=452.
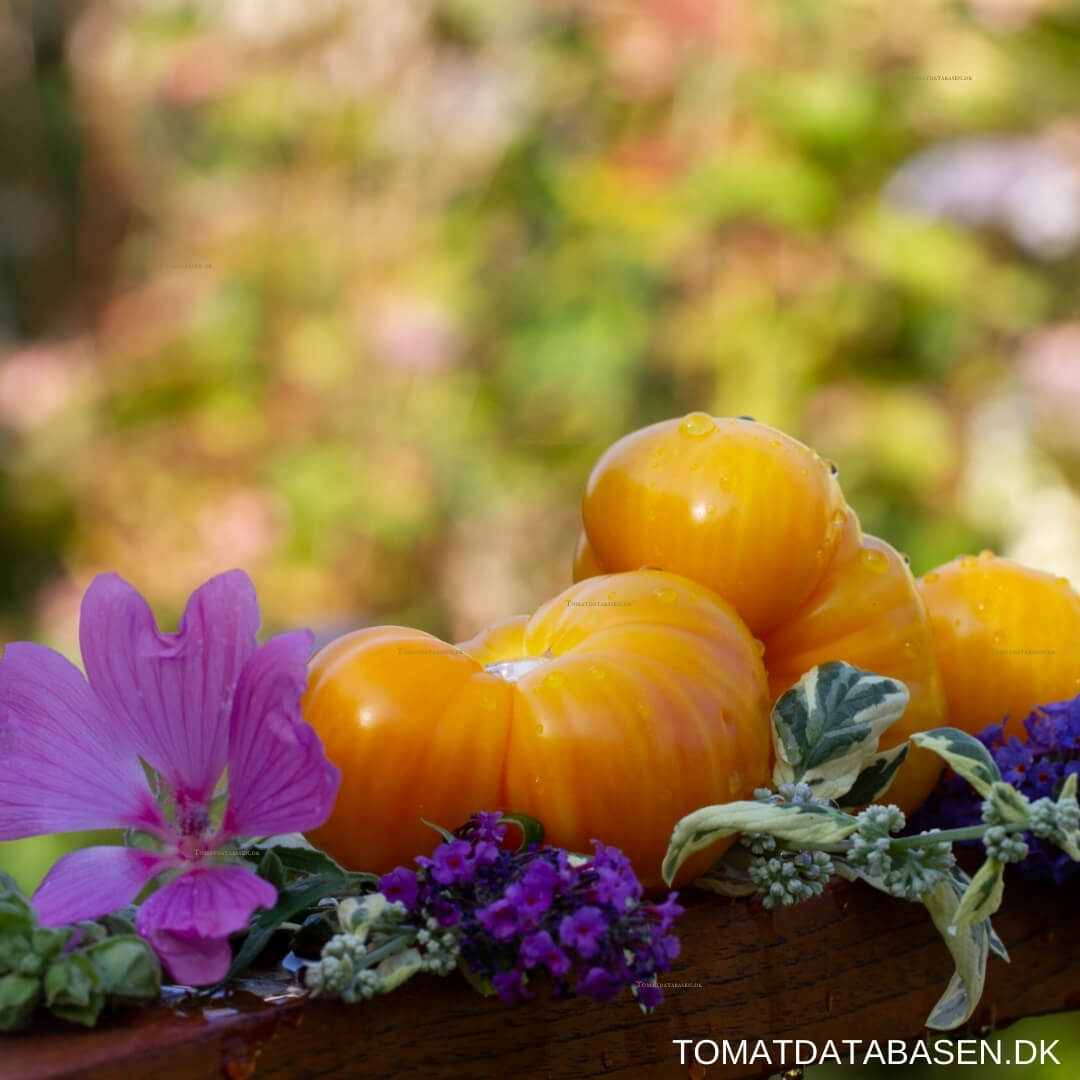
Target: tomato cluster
x=719, y=561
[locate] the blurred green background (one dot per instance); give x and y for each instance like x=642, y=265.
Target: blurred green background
x=352, y=294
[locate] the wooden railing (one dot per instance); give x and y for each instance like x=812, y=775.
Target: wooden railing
x=850, y=964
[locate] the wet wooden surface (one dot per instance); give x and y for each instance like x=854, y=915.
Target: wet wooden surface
x=851, y=964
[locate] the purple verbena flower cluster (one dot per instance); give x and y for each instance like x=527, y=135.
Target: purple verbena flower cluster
x=533, y=912
x=1037, y=768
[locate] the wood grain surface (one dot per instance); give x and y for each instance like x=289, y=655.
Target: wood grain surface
x=851, y=964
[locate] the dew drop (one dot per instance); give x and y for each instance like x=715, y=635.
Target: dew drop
x=775, y=444
x=997, y=639
x=697, y=425
x=539, y=729
x=554, y=679
x=644, y=709
x=931, y=577
x=666, y=595
x=734, y=782
x=910, y=649
x=611, y=595
x=986, y=554
x=833, y=467
x=750, y=418
x=967, y=562
x=839, y=518
x=874, y=561
x=597, y=672
x=906, y=557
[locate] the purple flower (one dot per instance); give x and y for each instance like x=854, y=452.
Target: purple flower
x=498, y=919
x=400, y=885
x=669, y=911
x=510, y=986
x=190, y=705
x=583, y=930
x=599, y=984
x=531, y=897
x=1014, y=760
x=649, y=994
x=538, y=949
x=452, y=863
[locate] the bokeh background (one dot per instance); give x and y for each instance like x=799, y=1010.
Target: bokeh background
x=352, y=294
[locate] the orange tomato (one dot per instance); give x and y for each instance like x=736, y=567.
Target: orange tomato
x=734, y=504
x=867, y=611
x=1007, y=638
x=620, y=706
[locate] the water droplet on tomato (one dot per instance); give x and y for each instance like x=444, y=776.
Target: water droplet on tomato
x=910, y=649
x=611, y=595
x=832, y=466
x=998, y=639
x=666, y=595
x=775, y=444
x=967, y=562
x=554, y=679
x=597, y=672
x=697, y=425
x=539, y=729
x=734, y=782
x=874, y=561
x=986, y=554
x=644, y=709
x=745, y=417
x=839, y=517
x=931, y=577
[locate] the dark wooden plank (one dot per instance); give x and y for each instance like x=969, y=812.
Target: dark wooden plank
x=850, y=964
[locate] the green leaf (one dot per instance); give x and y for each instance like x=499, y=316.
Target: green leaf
x=532, y=829
x=395, y=969
x=791, y=822
x=75, y=989
x=291, y=901
x=876, y=777
x=19, y=995
x=982, y=897
x=16, y=912
x=447, y=836
x=1013, y=806
x=482, y=984
x=129, y=968
x=730, y=876
x=969, y=947
x=964, y=754
x=300, y=860
x=827, y=726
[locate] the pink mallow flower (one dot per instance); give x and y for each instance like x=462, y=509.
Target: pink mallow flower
x=189, y=705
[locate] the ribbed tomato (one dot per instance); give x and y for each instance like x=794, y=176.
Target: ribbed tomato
x=867, y=611
x=1007, y=638
x=620, y=706
x=734, y=504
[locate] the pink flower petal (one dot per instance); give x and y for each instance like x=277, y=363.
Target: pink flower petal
x=188, y=920
x=279, y=778
x=65, y=764
x=171, y=692
x=95, y=881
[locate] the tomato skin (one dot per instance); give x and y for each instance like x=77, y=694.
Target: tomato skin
x=867, y=611
x=646, y=699
x=737, y=505
x=1007, y=638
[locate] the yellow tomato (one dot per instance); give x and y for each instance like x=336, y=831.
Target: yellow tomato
x=868, y=612
x=620, y=706
x=1007, y=638
x=734, y=504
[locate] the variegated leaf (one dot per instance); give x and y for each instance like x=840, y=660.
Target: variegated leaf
x=393, y=970
x=969, y=947
x=730, y=876
x=797, y=824
x=876, y=777
x=982, y=897
x=964, y=754
x=827, y=726
x=1013, y=806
